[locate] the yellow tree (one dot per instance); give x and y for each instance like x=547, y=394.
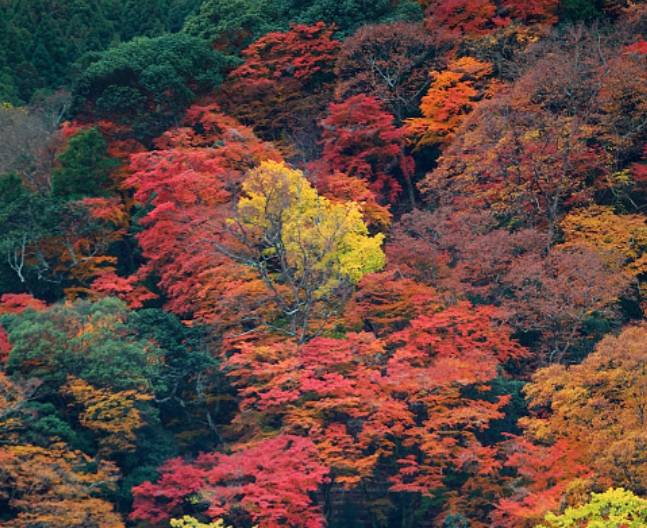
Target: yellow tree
x=191, y=522
x=615, y=508
x=308, y=250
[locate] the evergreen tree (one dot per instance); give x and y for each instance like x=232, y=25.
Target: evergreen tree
x=85, y=167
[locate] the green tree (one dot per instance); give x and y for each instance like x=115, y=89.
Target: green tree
x=85, y=167
x=148, y=82
x=40, y=40
x=90, y=341
x=234, y=24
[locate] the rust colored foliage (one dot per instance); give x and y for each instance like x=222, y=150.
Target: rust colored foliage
x=551, y=292
x=56, y=487
x=115, y=416
x=339, y=187
x=534, y=151
x=128, y=289
x=302, y=53
x=622, y=101
x=389, y=62
x=385, y=302
x=360, y=139
x=556, y=295
x=545, y=475
x=534, y=168
x=284, y=83
x=598, y=406
x=16, y=303
x=455, y=19
x=620, y=238
x=270, y=482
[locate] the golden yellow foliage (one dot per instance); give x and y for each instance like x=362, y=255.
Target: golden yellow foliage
x=600, y=229
x=283, y=210
x=114, y=415
x=56, y=488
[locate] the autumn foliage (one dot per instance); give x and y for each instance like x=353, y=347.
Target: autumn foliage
x=322, y=263
x=360, y=140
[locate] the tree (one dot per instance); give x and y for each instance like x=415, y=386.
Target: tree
x=600, y=229
x=269, y=482
x=598, y=407
x=532, y=152
x=385, y=302
x=304, y=53
x=614, y=508
x=32, y=139
x=233, y=25
x=461, y=19
x=340, y=187
x=16, y=303
x=56, y=487
x=559, y=295
x=452, y=94
x=360, y=140
x=544, y=478
x=537, y=167
x=353, y=14
x=284, y=83
x=620, y=99
x=191, y=183
x=585, y=431
x=409, y=413
x=304, y=248
x=27, y=220
x=91, y=341
x=115, y=416
x=388, y=62
x=39, y=52
x=84, y=167
x=148, y=82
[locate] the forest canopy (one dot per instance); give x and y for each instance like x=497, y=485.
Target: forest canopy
x=307, y=264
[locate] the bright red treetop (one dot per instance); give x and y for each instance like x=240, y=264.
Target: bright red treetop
x=19, y=302
x=451, y=19
x=270, y=481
